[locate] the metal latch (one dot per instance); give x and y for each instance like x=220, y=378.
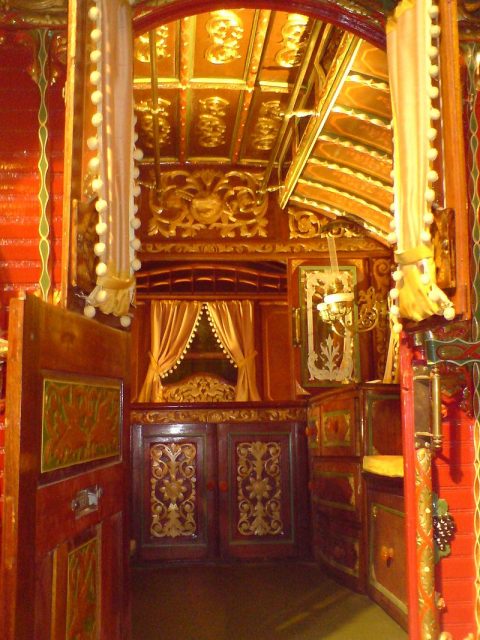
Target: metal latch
x=86, y=501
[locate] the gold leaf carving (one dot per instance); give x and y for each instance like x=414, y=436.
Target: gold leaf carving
x=267, y=126
x=211, y=125
x=142, y=45
x=294, y=41
x=225, y=30
x=37, y=12
x=258, y=488
x=145, y=113
x=173, y=493
x=199, y=388
x=207, y=200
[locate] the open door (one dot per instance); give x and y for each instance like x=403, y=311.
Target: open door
x=65, y=537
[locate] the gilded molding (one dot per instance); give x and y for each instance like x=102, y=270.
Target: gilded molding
x=317, y=245
x=166, y=416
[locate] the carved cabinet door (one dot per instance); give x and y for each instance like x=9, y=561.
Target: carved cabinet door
x=262, y=486
x=65, y=542
x=174, y=491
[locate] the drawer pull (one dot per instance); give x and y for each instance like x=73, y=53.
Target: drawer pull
x=387, y=554
x=210, y=485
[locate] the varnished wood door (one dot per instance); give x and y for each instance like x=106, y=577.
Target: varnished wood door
x=262, y=490
x=65, y=537
x=175, y=491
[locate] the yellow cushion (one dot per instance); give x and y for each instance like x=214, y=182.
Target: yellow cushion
x=390, y=466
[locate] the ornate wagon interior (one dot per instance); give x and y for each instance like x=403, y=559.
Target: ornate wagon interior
x=286, y=251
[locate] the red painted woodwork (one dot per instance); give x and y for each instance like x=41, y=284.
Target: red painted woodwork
x=41, y=530
x=453, y=480
x=205, y=489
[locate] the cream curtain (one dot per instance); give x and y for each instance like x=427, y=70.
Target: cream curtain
x=233, y=324
x=412, y=64
x=115, y=134
x=173, y=324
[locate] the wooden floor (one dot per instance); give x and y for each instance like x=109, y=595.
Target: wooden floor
x=284, y=601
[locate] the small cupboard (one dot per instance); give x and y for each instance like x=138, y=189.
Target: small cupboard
x=213, y=488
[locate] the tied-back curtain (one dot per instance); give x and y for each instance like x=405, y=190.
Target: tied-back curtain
x=116, y=143
x=233, y=323
x=173, y=323
x=411, y=66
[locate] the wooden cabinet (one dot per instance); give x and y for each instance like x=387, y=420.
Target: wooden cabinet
x=343, y=426
x=386, y=548
x=229, y=490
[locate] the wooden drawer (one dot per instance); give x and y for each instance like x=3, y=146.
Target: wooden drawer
x=336, y=487
x=339, y=545
x=335, y=418
x=386, y=548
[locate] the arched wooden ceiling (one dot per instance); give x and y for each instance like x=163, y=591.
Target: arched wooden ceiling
x=300, y=102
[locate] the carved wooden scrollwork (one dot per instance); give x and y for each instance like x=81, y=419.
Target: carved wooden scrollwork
x=187, y=203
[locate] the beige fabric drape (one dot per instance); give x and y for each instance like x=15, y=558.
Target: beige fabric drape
x=409, y=44
x=116, y=145
x=233, y=323
x=173, y=324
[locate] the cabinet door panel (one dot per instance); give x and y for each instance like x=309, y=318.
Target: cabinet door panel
x=257, y=490
x=175, y=485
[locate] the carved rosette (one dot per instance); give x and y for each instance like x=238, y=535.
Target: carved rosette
x=258, y=489
x=187, y=203
x=173, y=489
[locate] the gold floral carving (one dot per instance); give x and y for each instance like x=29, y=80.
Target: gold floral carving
x=199, y=388
x=146, y=113
x=211, y=125
x=294, y=41
x=258, y=488
x=231, y=414
x=173, y=489
x=304, y=223
x=189, y=202
x=142, y=45
x=267, y=125
x=225, y=30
